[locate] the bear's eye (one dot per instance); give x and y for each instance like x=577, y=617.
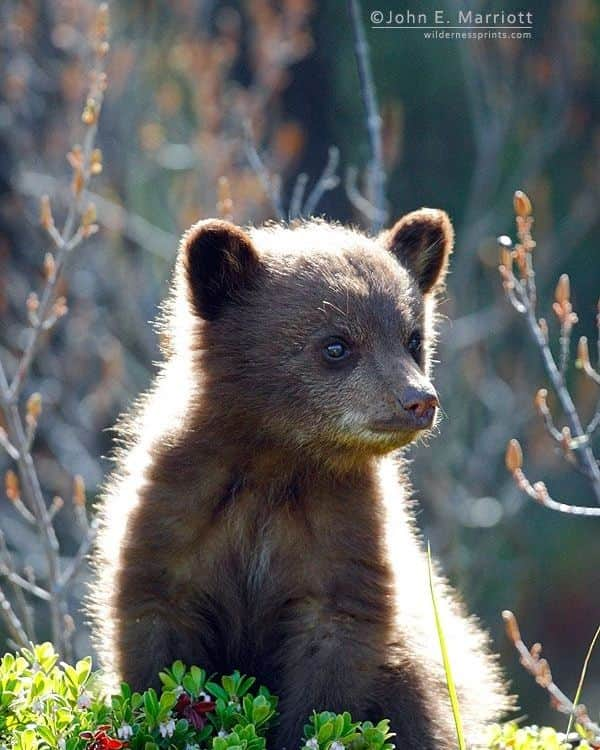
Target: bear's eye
x=336, y=350
x=414, y=344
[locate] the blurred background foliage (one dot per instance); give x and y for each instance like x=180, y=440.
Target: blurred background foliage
x=465, y=123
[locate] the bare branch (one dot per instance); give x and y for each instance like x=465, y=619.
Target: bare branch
x=541, y=405
x=357, y=199
x=75, y=563
x=522, y=295
x=327, y=181
x=270, y=186
x=12, y=622
x=7, y=445
x=376, y=171
x=539, y=667
x=539, y=492
x=43, y=313
x=147, y=236
x=295, y=210
x=7, y=567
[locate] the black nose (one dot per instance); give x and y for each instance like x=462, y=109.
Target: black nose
x=421, y=404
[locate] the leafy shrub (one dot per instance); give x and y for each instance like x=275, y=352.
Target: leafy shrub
x=46, y=705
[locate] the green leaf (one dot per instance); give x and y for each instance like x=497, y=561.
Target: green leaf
x=46, y=734
x=71, y=675
x=325, y=732
x=190, y=685
x=151, y=705
x=26, y=740
x=169, y=682
x=460, y=736
x=38, y=685
x=45, y=655
x=166, y=703
x=83, y=669
x=229, y=684
x=199, y=676
x=245, y=685
x=216, y=691
x=178, y=670
x=125, y=690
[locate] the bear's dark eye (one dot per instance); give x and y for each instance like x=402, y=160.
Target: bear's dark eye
x=414, y=344
x=336, y=350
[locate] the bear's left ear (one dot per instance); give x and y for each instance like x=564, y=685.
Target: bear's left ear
x=422, y=241
x=219, y=264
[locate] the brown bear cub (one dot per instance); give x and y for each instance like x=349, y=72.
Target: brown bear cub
x=257, y=521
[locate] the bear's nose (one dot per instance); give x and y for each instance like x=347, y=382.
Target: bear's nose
x=421, y=404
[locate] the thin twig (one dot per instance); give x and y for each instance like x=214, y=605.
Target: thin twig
x=542, y=407
x=24, y=584
x=12, y=622
x=374, y=126
x=594, y=422
x=539, y=492
x=297, y=199
x=7, y=568
x=357, y=199
x=327, y=181
x=7, y=445
x=270, y=187
x=565, y=346
x=75, y=563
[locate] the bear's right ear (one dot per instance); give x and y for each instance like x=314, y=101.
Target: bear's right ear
x=219, y=263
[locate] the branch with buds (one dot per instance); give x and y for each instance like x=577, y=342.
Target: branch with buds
x=536, y=665
x=573, y=439
x=23, y=486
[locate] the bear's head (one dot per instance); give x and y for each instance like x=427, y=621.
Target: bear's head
x=317, y=335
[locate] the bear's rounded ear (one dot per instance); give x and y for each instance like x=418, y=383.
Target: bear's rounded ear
x=422, y=241
x=219, y=263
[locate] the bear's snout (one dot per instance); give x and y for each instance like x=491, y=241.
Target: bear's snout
x=421, y=405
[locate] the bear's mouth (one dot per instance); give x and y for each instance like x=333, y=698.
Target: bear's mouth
x=403, y=426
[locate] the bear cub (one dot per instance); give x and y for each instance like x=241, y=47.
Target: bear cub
x=259, y=518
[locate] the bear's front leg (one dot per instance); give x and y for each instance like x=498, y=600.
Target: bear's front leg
x=327, y=662
x=341, y=666
x=400, y=694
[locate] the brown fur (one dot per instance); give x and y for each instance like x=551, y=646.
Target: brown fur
x=257, y=521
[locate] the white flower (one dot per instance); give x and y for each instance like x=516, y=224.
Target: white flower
x=204, y=696
x=178, y=690
x=312, y=744
x=84, y=700
x=124, y=732
x=37, y=706
x=62, y=743
x=335, y=745
x=167, y=729
x=223, y=733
